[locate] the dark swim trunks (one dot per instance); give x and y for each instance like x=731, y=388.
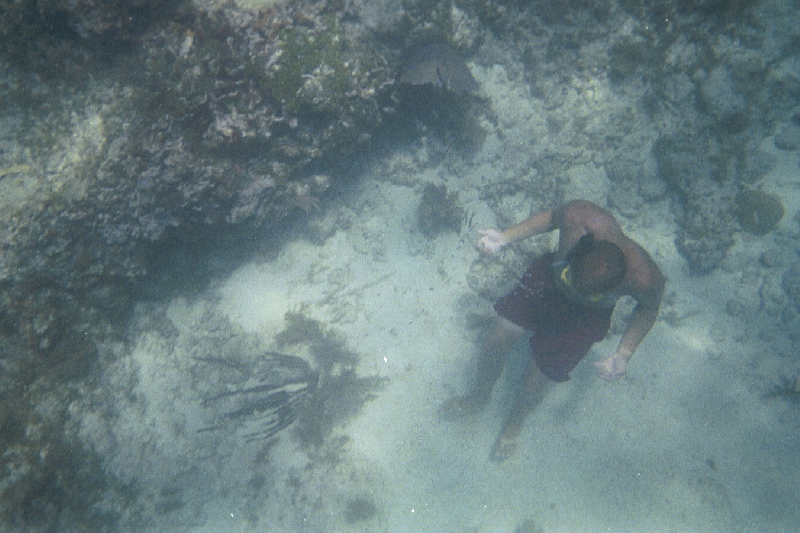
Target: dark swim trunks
x=563, y=331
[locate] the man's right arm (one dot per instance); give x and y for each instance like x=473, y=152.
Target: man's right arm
x=535, y=224
x=493, y=240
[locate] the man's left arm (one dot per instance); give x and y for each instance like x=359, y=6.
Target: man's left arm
x=642, y=319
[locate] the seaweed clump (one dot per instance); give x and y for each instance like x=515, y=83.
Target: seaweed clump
x=360, y=509
x=439, y=211
x=528, y=526
x=788, y=389
x=341, y=392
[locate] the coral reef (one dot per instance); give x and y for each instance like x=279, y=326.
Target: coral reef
x=707, y=145
x=49, y=477
x=132, y=131
x=230, y=113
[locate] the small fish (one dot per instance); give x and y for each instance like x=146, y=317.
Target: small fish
x=439, y=65
x=14, y=169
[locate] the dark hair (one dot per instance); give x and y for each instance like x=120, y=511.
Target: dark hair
x=597, y=266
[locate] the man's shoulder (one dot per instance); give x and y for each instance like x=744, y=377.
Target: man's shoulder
x=645, y=278
x=592, y=217
x=585, y=208
x=582, y=206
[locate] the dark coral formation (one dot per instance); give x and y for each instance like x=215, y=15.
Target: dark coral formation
x=64, y=37
x=757, y=211
x=702, y=104
x=438, y=93
x=360, y=509
x=787, y=389
x=229, y=120
x=706, y=220
x=148, y=131
x=48, y=479
x=439, y=211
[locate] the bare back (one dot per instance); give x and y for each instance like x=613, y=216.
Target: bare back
x=643, y=280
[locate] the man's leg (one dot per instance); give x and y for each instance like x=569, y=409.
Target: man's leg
x=504, y=336
x=534, y=387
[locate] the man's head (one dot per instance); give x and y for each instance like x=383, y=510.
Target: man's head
x=596, y=267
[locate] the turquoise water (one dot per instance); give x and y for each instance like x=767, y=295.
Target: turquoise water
x=175, y=215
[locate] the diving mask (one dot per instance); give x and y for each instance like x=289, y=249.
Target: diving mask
x=566, y=279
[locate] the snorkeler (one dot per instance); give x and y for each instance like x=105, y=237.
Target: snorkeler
x=565, y=299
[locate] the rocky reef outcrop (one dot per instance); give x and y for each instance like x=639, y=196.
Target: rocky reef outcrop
x=131, y=131
x=213, y=119
x=706, y=63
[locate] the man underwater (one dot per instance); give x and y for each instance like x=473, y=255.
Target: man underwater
x=565, y=299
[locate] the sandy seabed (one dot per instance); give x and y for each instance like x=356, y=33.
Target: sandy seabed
x=684, y=442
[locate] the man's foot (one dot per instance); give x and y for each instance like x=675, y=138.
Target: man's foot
x=459, y=407
x=504, y=447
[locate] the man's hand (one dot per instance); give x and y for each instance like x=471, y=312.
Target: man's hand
x=491, y=241
x=613, y=367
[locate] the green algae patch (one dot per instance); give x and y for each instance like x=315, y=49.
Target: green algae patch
x=311, y=68
x=319, y=70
